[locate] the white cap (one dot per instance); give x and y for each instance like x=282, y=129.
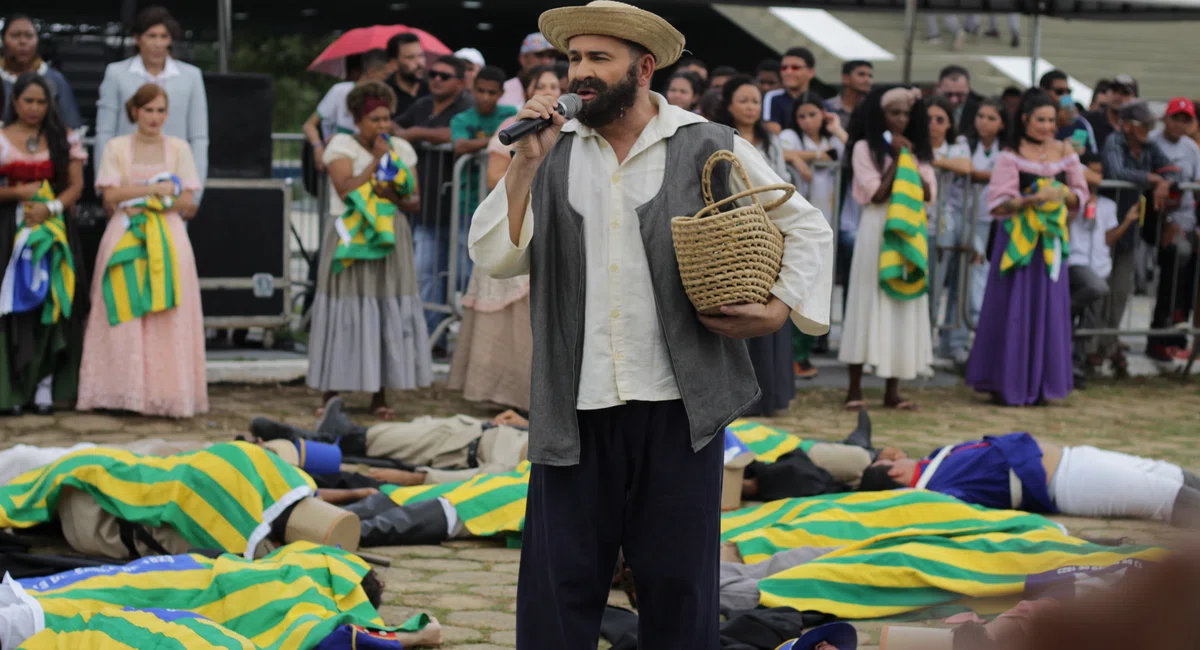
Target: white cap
x=470, y=54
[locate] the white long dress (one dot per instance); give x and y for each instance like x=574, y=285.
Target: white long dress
x=891, y=338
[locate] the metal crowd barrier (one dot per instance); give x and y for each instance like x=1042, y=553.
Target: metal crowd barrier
x=965, y=248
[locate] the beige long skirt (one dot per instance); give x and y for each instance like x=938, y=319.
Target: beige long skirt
x=493, y=359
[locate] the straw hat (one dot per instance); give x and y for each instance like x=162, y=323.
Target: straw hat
x=314, y=520
x=618, y=20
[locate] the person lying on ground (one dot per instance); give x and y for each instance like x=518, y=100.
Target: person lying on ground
x=445, y=450
x=1017, y=471
x=429, y=450
x=816, y=467
x=234, y=497
x=303, y=595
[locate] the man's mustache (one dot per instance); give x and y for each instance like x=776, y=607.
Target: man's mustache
x=587, y=84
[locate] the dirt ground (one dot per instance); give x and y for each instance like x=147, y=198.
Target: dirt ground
x=470, y=586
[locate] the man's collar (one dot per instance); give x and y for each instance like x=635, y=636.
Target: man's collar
x=171, y=69
x=666, y=123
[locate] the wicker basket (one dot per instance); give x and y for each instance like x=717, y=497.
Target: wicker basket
x=733, y=257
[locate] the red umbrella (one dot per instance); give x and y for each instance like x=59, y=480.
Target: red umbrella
x=363, y=39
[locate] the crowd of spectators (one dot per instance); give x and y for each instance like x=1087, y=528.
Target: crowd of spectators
x=978, y=156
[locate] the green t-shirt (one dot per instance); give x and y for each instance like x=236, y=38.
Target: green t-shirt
x=470, y=125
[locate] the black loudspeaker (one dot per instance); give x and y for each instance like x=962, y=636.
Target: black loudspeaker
x=241, y=239
x=239, y=125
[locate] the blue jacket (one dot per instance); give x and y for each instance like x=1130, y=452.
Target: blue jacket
x=977, y=472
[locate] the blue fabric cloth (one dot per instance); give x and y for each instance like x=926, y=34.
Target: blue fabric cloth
x=977, y=472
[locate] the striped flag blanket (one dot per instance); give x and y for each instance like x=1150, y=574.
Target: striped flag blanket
x=1046, y=221
x=142, y=275
x=41, y=271
x=904, y=253
x=900, y=551
x=488, y=504
x=147, y=629
x=367, y=229
x=225, y=496
x=292, y=599
x=767, y=443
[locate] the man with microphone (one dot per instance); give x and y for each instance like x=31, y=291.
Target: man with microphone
x=630, y=385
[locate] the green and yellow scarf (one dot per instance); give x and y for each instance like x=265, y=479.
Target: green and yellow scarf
x=50, y=238
x=143, y=273
x=1047, y=221
x=904, y=253
x=366, y=230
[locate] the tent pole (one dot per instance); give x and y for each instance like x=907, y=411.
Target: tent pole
x=1035, y=48
x=224, y=34
x=910, y=32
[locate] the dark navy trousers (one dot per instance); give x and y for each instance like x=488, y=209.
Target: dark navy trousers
x=638, y=487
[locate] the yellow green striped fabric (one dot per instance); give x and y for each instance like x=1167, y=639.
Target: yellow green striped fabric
x=50, y=238
x=366, y=230
x=142, y=276
x=225, y=496
x=1047, y=221
x=767, y=443
x=904, y=252
x=290, y=599
x=488, y=504
x=904, y=550
x=140, y=629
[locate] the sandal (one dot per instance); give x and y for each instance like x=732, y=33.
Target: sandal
x=903, y=405
x=854, y=405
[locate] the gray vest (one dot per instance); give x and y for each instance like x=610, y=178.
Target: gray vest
x=715, y=377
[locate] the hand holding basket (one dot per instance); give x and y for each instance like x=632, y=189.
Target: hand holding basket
x=731, y=257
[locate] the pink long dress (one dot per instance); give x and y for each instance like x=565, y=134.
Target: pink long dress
x=152, y=365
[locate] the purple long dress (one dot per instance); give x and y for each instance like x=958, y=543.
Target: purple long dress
x=1022, y=350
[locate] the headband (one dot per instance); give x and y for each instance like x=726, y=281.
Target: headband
x=903, y=96
x=372, y=103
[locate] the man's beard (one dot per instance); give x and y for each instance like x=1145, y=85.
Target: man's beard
x=411, y=77
x=610, y=102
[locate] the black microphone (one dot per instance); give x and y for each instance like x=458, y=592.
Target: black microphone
x=568, y=106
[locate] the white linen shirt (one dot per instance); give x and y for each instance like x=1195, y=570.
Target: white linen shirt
x=624, y=351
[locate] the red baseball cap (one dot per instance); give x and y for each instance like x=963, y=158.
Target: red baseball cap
x=1181, y=105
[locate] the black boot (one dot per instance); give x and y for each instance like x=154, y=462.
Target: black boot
x=334, y=421
x=269, y=429
x=861, y=437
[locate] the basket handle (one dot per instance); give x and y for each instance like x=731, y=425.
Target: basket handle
x=788, y=191
x=736, y=163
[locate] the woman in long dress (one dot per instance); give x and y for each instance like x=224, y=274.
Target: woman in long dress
x=741, y=108
x=39, y=362
x=152, y=364
x=368, y=329
x=493, y=357
x=890, y=337
x=1022, y=352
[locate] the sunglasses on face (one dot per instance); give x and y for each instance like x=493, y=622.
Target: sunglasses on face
x=441, y=76
x=1059, y=92
x=955, y=95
